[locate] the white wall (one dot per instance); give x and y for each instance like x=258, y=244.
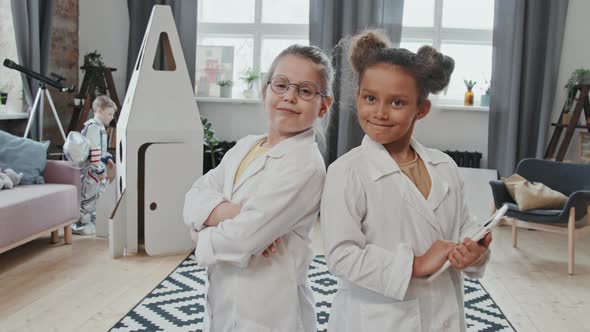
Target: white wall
x=232, y=121
x=104, y=26
x=463, y=130
x=575, y=54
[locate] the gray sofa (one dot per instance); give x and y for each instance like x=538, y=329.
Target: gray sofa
x=30, y=211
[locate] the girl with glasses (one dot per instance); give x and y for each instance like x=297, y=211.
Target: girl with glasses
x=251, y=217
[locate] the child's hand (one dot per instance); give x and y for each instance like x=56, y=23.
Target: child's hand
x=433, y=259
x=110, y=164
x=272, y=248
x=469, y=252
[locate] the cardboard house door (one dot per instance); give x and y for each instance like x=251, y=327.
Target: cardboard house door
x=164, y=189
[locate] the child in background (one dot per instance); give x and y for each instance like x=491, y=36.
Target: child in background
x=393, y=210
x=94, y=175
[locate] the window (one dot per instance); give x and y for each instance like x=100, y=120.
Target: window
x=461, y=29
x=10, y=79
x=235, y=35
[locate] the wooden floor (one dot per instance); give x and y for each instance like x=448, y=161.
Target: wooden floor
x=531, y=285
x=47, y=287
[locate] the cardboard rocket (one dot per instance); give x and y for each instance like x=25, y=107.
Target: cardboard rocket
x=159, y=147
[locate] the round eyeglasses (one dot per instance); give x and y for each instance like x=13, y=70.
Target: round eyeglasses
x=280, y=84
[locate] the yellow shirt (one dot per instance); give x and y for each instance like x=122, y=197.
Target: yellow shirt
x=256, y=151
x=418, y=174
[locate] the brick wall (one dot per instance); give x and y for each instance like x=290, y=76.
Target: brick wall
x=63, y=60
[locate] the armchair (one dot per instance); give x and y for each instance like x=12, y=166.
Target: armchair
x=573, y=180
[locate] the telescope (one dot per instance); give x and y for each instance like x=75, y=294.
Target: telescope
x=56, y=82
x=42, y=93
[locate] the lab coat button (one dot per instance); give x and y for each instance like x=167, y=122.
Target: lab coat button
x=446, y=324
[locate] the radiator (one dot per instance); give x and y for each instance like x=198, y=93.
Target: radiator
x=465, y=158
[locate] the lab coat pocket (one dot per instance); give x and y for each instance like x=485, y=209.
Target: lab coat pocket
x=391, y=316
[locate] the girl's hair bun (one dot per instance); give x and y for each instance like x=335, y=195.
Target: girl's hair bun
x=438, y=68
x=366, y=44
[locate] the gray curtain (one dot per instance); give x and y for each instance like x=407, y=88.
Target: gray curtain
x=185, y=17
x=32, y=28
x=527, y=44
x=329, y=21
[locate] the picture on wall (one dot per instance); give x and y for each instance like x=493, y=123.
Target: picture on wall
x=214, y=64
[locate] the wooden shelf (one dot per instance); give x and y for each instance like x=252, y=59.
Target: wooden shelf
x=565, y=126
x=92, y=67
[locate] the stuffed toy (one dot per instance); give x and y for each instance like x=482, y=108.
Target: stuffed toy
x=5, y=181
x=14, y=176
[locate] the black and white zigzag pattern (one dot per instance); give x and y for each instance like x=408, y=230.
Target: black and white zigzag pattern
x=178, y=302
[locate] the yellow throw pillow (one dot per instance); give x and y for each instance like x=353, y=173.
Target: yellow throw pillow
x=533, y=195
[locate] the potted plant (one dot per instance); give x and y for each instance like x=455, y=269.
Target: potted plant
x=578, y=76
x=213, y=148
x=469, y=94
x=250, y=76
x=94, y=68
x=4, y=89
x=225, y=88
x=485, y=97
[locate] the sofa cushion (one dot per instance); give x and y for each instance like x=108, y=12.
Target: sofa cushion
x=24, y=156
x=30, y=209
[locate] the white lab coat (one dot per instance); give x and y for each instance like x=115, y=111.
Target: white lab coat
x=280, y=196
x=374, y=221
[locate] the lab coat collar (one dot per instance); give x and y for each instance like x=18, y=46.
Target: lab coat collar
x=278, y=151
x=381, y=163
x=379, y=160
x=426, y=155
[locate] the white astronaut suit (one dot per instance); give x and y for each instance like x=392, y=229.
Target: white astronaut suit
x=92, y=186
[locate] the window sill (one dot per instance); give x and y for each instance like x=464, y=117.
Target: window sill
x=444, y=107
x=461, y=108
x=13, y=115
x=228, y=100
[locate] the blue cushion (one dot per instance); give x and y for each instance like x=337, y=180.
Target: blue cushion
x=537, y=215
x=23, y=155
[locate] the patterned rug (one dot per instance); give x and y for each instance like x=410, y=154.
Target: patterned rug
x=178, y=302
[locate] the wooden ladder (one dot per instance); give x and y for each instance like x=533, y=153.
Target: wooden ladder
x=582, y=102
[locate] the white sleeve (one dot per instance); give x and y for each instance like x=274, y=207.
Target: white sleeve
x=95, y=155
x=284, y=198
x=349, y=256
x=469, y=227
x=205, y=194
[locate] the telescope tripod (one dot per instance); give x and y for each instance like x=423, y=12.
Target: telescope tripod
x=38, y=104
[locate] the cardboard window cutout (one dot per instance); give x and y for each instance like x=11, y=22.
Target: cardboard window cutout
x=164, y=59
